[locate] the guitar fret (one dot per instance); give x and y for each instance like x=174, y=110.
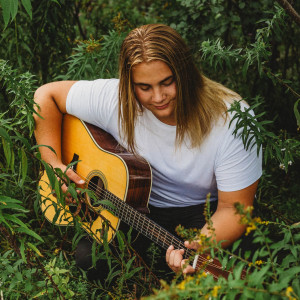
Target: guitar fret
x=145, y=225
x=157, y=237
x=164, y=240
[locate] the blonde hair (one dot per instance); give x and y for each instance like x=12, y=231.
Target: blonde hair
x=199, y=100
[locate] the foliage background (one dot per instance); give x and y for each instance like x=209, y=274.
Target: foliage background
x=250, y=46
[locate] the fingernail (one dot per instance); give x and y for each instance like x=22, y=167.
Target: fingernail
x=81, y=181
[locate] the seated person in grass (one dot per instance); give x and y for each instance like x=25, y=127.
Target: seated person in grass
x=163, y=109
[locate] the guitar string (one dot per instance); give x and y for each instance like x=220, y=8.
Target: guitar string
x=157, y=229
x=200, y=262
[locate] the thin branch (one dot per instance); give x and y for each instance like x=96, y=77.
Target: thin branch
x=290, y=10
x=77, y=19
x=267, y=70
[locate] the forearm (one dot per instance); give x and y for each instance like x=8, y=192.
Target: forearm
x=48, y=128
x=226, y=222
x=226, y=226
x=51, y=105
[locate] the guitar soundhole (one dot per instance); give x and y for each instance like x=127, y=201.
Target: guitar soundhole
x=97, y=186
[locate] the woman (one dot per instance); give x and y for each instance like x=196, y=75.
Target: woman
x=163, y=109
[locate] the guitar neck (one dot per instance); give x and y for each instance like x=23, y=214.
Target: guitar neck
x=162, y=237
x=144, y=225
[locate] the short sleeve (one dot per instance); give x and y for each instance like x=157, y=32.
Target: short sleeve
x=235, y=167
x=93, y=101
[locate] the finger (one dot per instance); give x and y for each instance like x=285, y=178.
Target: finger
x=175, y=259
x=192, y=245
x=169, y=250
x=75, y=178
x=70, y=200
x=186, y=268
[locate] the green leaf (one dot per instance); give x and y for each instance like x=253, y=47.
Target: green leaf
x=291, y=272
x=14, y=206
x=7, y=152
x=129, y=275
x=35, y=249
x=24, y=166
x=9, y=200
x=225, y=261
x=94, y=247
x=13, y=8
x=296, y=286
x=5, y=4
x=29, y=232
x=4, y=133
x=238, y=270
x=28, y=7
x=3, y=220
x=22, y=250
x=56, y=1
x=72, y=191
x=257, y=277
x=236, y=245
x=50, y=174
x=296, y=112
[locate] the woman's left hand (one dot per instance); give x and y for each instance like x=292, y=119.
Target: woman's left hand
x=175, y=261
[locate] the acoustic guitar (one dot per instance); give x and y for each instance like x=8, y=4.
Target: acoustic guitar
x=117, y=176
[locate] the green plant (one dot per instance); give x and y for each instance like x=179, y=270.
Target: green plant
x=271, y=272
x=250, y=46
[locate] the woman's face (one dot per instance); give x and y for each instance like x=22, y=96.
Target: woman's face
x=155, y=88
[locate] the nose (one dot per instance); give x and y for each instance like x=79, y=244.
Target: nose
x=157, y=95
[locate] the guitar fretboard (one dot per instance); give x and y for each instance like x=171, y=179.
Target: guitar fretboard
x=158, y=234
x=142, y=223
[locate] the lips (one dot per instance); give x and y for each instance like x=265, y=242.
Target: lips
x=162, y=106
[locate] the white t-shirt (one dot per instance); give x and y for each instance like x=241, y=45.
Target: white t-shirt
x=182, y=176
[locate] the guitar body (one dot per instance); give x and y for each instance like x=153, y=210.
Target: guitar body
x=104, y=165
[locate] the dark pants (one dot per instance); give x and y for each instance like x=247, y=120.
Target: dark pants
x=168, y=218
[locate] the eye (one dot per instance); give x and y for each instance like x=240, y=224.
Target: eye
x=168, y=82
x=144, y=87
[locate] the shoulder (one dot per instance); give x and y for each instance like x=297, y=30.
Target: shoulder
x=109, y=84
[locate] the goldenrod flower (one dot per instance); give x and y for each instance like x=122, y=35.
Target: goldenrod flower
x=257, y=220
x=250, y=228
x=288, y=292
x=181, y=285
x=215, y=290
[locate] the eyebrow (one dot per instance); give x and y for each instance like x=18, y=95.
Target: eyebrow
x=166, y=79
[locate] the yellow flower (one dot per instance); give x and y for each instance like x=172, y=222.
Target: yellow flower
x=250, y=228
x=203, y=274
x=215, y=290
x=258, y=262
x=288, y=292
x=265, y=222
x=244, y=220
x=257, y=220
x=56, y=251
x=249, y=209
x=181, y=285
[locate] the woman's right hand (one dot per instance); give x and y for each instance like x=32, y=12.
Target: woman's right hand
x=73, y=176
